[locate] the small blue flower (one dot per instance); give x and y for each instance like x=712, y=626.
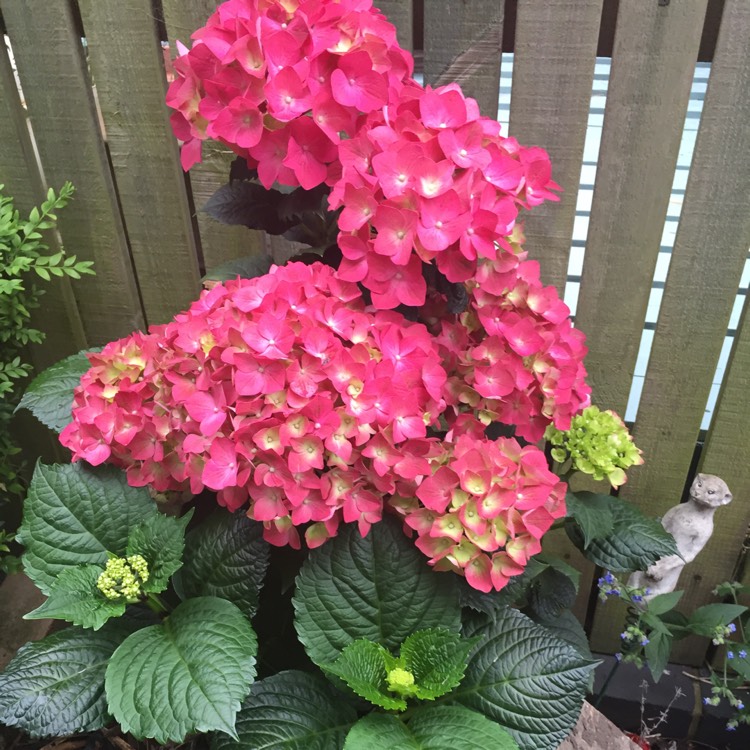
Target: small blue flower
x=706, y=701
x=730, y=654
x=608, y=577
x=740, y=705
x=743, y=654
x=637, y=598
x=618, y=656
x=615, y=592
x=647, y=592
x=731, y=727
x=644, y=642
x=732, y=628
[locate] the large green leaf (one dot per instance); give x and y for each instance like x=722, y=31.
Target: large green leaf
x=290, y=711
x=378, y=587
x=431, y=728
x=188, y=674
x=75, y=515
x=49, y=396
x=634, y=543
x=514, y=592
x=592, y=512
x=75, y=598
x=566, y=627
x=524, y=678
x=226, y=556
x=160, y=540
x=657, y=652
x=381, y=732
x=363, y=666
x=56, y=686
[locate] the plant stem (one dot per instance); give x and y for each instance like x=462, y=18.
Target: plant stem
x=155, y=603
x=739, y=619
x=557, y=524
x=604, y=687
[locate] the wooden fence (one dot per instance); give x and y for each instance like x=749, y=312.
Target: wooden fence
x=137, y=216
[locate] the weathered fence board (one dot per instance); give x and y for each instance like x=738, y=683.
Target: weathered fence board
x=693, y=319
x=463, y=45
x=219, y=243
x=553, y=69
x=58, y=316
x=401, y=14
x=53, y=75
x=145, y=159
x=652, y=70
x=656, y=47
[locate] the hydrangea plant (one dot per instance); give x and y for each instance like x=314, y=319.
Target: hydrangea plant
x=340, y=409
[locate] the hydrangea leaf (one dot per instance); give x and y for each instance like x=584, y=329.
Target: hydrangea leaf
x=75, y=515
x=363, y=665
x=378, y=587
x=248, y=267
x=431, y=728
x=199, y=663
x=75, y=598
x=376, y=731
x=524, y=678
x=566, y=627
x=49, y=396
x=226, y=556
x=513, y=592
x=634, y=543
x=290, y=711
x=437, y=658
x=55, y=687
x=592, y=512
x=551, y=592
x=160, y=540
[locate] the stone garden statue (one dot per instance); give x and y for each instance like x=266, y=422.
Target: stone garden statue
x=691, y=524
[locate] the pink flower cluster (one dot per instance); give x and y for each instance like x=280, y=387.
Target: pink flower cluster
x=287, y=392
x=282, y=390
x=428, y=179
x=484, y=510
x=260, y=67
x=513, y=356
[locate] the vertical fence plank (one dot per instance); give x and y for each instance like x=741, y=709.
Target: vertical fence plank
x=58, y=316
x=53, y=74
x=128, y=70
x=400, y=14
x=463, y=44
x=220, y=243
x=653, y=61
x=553, y=70
x=725, y=455
x=652, y=70
x=696, y=307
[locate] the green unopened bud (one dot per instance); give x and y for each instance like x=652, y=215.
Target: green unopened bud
x=401, y=681
x=598, y=443
x=123, y=577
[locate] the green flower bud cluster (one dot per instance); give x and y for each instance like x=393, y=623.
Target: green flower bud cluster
x=401, y=681
x=598, y=443
x=123, y=577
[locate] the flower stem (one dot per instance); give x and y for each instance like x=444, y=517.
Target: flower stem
x=155, y=603
x=604, y=687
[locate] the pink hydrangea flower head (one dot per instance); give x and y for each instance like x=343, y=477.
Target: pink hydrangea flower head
x=258, y=67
